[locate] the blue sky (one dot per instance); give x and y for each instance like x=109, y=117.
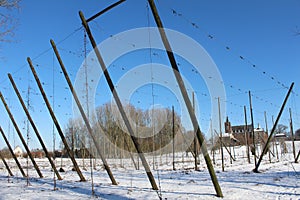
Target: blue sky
x=237, y=35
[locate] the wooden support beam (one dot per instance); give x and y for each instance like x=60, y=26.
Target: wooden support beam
x=55, y=121
x=12, y=153
x=20, y=136
x=186, y=99
x=118, y=102
x=34, y=127
x=273, y=129
x=104, y=10
x=6, y=165
x=253, y=133
x=85, y=119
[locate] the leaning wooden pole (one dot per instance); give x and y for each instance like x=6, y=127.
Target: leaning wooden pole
x=118, y=102
x=296, y=160
x=60, y=132
x=12, y=153
x=6, y=165
x=186, y=98
x=273, y=129
x=34, y=127
x=85, y=119
x=20, y=136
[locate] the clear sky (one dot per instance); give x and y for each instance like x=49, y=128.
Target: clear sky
x=253, y=44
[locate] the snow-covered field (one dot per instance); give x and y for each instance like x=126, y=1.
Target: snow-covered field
x=277, y=180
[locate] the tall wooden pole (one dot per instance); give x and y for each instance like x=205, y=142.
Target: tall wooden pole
x=195, y=136
x=55, y=121
x=253, y=132
x=186, y=98
x=221, y=135
x=118, y=102
x=173, y=132
x=12, y=153
x=274, y=127
x=246, y=135
x=267, y=131
x=292, y=133
x=296, y=160
x=20, y=136
x=34, y=127
x=6, y=165
x=84, y=116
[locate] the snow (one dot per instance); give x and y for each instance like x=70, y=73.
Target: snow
x=277, y=180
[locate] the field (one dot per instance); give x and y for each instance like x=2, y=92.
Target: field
x=276, y=180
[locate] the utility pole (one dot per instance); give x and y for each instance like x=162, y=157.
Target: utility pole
x=182, y=87
x=221, y=137
x=253, y=132
x=20, y=136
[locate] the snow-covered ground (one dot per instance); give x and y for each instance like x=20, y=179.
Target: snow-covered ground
x=277, y=180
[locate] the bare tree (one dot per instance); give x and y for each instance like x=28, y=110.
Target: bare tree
x=8, y=21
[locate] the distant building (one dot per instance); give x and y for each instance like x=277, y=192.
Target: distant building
x=238, y=135
x=18, y=151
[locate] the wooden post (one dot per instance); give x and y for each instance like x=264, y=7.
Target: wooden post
x=12, y=153
x=252, y=125
x=246, y=135
x=55, y=121
x=34, y=127
x=274, y=127
x=6, y=165
x=21, y=137
x=292, y=133
x=267, y=131
x=296, y=160
x=85, y=118
x=228, y=151
x=118, y=102
x=221, y=136
x=195, y=136
x=173, y=132
x=186, y=98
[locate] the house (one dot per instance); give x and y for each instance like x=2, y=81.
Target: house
x=18, y=151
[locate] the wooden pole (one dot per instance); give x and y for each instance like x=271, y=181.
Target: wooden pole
x=296, y=160
x=246, y=135
x=267, y=131
x=221, y=136
x=292, y=133
x=34, y=127
x=85, y=118
x=228, y=151
x=173, y=141
x=273, y=129
x=21, y=137
x=253, y=132
x=12, y=153
x=186, y=98
x=118, y=102
x=6, y=165
x=195, y=136
x=55, y=121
